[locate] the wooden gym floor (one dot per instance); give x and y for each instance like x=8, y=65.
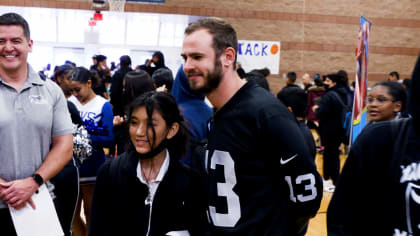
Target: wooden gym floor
x=318, y=224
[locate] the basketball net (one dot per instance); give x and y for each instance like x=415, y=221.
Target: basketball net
x=116, y=5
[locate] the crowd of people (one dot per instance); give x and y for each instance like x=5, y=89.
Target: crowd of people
x=176, y=166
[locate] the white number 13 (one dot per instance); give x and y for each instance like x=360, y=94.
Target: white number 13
x=310, y=186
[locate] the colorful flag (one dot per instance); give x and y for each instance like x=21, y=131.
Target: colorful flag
x=360, y=89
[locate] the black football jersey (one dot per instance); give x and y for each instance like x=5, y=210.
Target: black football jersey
x=262, y=180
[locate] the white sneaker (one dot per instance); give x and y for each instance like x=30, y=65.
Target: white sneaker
x=328, y=186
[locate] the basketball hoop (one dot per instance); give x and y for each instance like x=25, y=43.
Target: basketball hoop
x=116, y=5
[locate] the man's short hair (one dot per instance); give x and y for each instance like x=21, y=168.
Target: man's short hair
x=125, y=61
x=344, y=76
x=224, y=35
x=163, y=76
x=259, y=78
x=16, y=19
x=407, y=83
x=297, y=99
x=291, y=76
x=334, y=77
x=100, y=58
x=395, y=74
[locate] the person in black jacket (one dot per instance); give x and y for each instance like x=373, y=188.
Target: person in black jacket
x=290, y=85
x=117, y=101
x=261, y=179
x=158, y=60
x=378, y=192
x=330, y=124
x=147, y=191
x=296, y=101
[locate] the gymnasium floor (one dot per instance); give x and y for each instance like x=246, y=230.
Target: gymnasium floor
x=318, y=224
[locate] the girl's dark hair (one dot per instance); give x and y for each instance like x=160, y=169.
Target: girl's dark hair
x=83, y=75
x=335, y=78
x=318, y=82
x=166, y=105
x=60, y=71
x=397, y=92
x=344, y=76
x=136, y=83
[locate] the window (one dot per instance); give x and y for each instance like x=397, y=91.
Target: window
x=142, y=29
x=72, y=25
x=172, y=30
x=42, y=23
x=112, y=28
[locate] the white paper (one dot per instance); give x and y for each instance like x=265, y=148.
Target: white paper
x=43, y=221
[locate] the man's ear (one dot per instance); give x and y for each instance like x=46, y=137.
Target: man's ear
x=30, y=44
x=228, y=57
x=173, y=130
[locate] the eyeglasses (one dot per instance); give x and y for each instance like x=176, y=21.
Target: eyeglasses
x=379, y=99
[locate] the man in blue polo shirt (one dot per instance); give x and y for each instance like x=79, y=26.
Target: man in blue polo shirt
x=35, y=127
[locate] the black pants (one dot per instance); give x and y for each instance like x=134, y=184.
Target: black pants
x=6, y=223
x=331, y=159
x=121, y=139
x=66, y=190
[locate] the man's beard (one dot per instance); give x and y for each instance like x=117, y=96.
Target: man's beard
x=212, y=81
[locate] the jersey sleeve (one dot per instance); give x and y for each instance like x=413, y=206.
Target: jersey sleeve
x=293, y=167
x=107, y=139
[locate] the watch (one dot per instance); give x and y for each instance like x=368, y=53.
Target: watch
x=38, y=179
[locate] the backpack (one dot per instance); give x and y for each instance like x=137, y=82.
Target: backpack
x=346, y=115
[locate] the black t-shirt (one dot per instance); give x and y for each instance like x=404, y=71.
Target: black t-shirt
x=260, y=174
x=373, y=196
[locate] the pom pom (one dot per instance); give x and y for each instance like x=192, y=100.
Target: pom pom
x=82, y=149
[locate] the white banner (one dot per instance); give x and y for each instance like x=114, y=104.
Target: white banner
x=259, y=54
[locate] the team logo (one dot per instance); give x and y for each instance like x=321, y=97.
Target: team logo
x=412, y=201
x=284, y=161
x=37, y=99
